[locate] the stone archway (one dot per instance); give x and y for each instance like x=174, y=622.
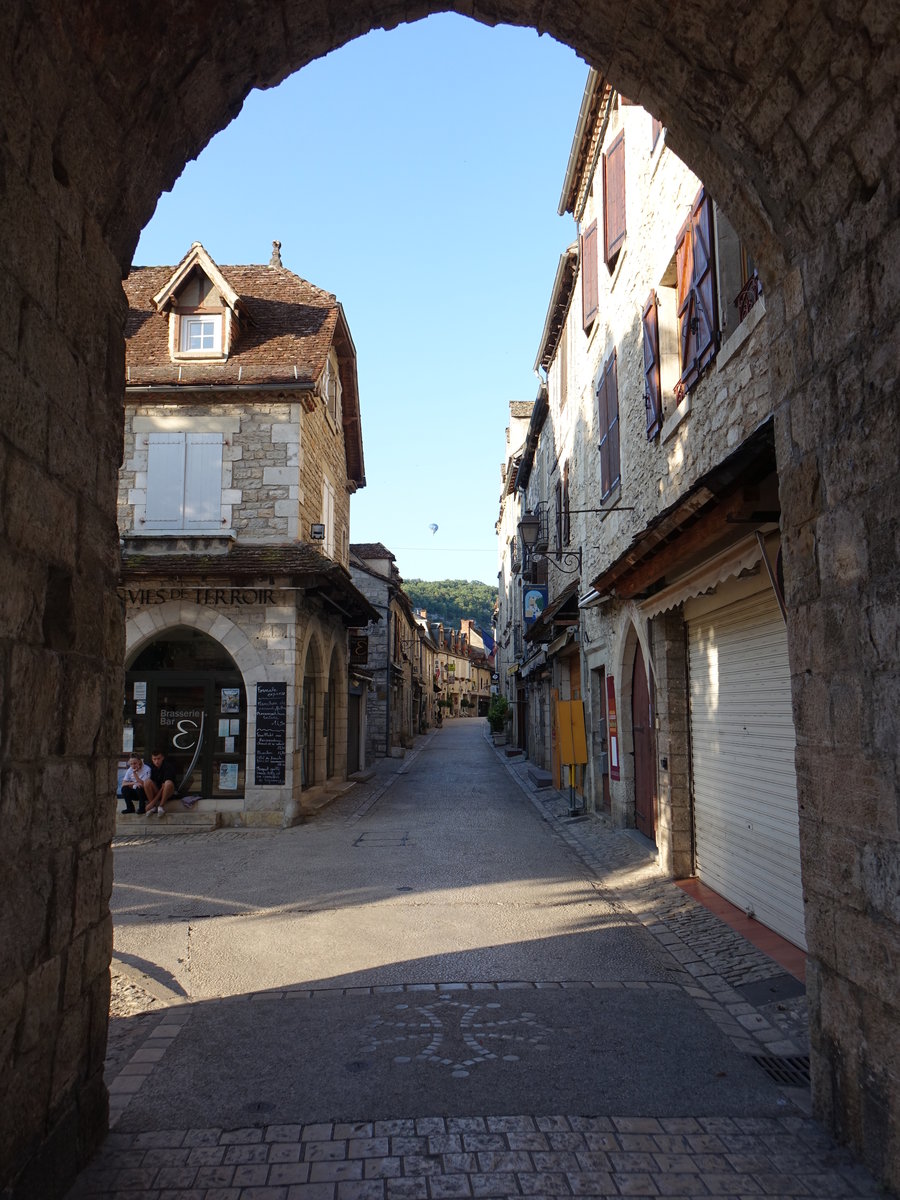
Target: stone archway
x=789, y=114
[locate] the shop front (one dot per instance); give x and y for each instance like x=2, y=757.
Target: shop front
x=184, y=695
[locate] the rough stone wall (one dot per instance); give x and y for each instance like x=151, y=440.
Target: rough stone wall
x=789, y=112
x=272, y=470
x=672, y=744
x=376, y=591
x=324, y=457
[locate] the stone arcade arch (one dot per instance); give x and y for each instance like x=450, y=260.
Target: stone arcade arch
x=789, y=113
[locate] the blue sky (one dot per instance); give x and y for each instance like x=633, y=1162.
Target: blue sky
x=415, y=174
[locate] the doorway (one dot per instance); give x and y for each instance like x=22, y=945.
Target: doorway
x=185, y=696
x=644, y=749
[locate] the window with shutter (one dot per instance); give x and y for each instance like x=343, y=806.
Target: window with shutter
x=652, y=380
x=328, y=516
x=559, y=519
x=608, y=417
x=184, y=481
x=566, y=519
x=614, y=199
x=589, y=295
x=697, y=304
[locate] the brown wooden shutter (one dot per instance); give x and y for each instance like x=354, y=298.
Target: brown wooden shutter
x=589, y=296
x=603, y=428
x=697, y=305
x=559, y=519
x=614, y=199
x=652, y=384
x=566, y=520
x=608, y=410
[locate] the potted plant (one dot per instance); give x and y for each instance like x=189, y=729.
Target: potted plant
x=497, y=715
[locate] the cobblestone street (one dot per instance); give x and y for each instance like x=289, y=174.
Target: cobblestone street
x=442, y=1087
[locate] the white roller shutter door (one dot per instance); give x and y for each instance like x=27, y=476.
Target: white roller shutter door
x=745, y=788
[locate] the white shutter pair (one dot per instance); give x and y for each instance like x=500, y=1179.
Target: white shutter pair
x=184, y=481
x=328, y=516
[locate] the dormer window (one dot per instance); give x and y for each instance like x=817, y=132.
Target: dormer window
x=201, y=334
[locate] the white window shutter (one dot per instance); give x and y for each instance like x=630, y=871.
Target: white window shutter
x=328, y=517
x=165, y=480
x=203, y=481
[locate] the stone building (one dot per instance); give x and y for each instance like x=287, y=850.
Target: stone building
x=395, y=650
x=789, y=114
x=242, y=449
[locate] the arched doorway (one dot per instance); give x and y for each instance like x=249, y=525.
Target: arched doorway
x=308, y=717
x=185, y=695
x=644, y=748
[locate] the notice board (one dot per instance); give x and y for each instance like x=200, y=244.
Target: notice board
x=271, y=727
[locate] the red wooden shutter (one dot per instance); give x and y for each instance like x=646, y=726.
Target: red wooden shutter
x=652, y=385
x=697, y=305
x=608, y=413
x=589, y=296
x=614, y=198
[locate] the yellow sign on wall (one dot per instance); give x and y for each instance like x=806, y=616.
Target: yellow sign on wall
x=570, y=725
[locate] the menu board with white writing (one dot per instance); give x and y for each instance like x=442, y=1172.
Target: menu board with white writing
x=271, y=723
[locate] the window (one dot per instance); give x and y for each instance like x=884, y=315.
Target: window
x=201, y=334
x=331, y=388
x=652, y=374
x=184, y=481
x=608, y=417
x=589, y=295
x=614, y=199
x=328, y=516
x=696, y=292
x=563, y=360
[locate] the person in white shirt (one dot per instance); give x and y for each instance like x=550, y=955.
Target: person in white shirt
x=133, y=785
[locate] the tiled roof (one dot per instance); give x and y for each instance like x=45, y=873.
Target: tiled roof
x=305, y=565
x=287, y=326
x=370, y=550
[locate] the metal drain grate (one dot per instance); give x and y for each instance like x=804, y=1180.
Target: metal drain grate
x=791, y=1071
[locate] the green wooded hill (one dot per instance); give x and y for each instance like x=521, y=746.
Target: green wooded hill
x=452, y=600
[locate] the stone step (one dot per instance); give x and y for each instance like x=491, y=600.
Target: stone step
x=173, y=822
x=540, y=779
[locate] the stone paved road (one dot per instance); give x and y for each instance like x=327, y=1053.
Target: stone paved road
x=404, y=998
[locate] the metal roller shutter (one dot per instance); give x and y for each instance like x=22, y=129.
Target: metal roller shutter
x=745, y=788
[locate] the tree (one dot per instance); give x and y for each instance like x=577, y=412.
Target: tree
x=451, y=601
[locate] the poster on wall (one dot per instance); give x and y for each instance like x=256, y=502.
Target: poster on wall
x=534, y=601
x=613, y=726
x=231, y=700
x=228, y=777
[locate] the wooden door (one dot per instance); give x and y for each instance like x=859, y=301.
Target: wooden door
x=644, y=750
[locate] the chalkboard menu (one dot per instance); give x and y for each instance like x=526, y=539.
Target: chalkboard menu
x=271, y=719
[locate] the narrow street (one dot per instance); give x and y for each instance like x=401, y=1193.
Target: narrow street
x=442, y=987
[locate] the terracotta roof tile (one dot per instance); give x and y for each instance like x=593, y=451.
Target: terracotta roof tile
x=286, y=323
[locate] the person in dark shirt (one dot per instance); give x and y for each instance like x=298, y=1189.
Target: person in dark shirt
x=160, y=787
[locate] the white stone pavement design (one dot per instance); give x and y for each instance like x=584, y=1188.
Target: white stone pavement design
x=457, y=1027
